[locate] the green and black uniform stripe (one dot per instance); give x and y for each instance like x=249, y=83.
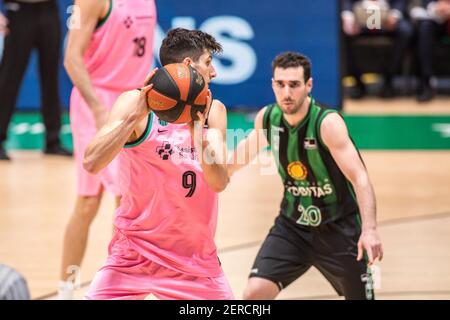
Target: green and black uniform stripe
x=315, y=190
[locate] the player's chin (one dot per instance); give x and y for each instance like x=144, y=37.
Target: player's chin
x=288, y=108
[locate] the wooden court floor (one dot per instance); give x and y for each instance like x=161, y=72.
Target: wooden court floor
x=37, y=195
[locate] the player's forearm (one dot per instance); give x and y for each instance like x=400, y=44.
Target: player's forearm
x=213, y=163
x=104, y=148
x=216, y=176
x=77, y=71
x=366, y=201
x=212, y=154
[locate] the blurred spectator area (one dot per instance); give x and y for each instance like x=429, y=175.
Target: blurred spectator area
x=372, y=52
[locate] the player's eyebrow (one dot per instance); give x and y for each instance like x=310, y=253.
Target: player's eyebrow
x=288, y=81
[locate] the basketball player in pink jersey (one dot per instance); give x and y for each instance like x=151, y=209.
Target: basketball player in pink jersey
x=109, y=51
x=165, y=225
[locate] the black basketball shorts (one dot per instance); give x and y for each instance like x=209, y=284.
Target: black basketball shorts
x=290, y=249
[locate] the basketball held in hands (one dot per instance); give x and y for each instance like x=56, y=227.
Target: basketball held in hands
x=179, y=92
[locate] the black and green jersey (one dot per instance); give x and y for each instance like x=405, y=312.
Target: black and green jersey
x=315, y=190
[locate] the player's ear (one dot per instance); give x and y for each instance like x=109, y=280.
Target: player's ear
x=309, y=84
x=187, y=61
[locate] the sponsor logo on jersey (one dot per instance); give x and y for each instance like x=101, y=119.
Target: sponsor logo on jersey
x=310, y=191
x=128, y=22
x=297, y=170
x=165, y=150
x=310, y=143
x=186, y=152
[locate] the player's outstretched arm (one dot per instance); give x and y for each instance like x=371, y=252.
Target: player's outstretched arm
x=125, y=123
x=335, y=136
x=249, y=147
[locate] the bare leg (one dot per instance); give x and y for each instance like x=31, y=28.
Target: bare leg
x=260, y=289
x=77, y=231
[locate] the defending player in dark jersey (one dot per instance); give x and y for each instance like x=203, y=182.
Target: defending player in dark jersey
x=327, y=216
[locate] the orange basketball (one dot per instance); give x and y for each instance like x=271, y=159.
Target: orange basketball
x=179, y=91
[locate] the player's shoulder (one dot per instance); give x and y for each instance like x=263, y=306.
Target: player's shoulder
x=218, y=105
x=326, y=113
x=331, y=120
x=218, y=111
x=326, y=116
x=93, y=7
x=217, y=117
x=333, y=128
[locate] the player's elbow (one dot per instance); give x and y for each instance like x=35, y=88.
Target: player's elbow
x=221, y=185
x=217, y=188
x=68, y=62
x=361, y=179
x=90, y=164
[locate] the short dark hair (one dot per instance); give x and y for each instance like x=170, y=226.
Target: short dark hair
x=182, y=43
x=291, y=59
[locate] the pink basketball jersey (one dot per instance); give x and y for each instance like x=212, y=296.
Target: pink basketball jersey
x=120, y=54
x=168, y=213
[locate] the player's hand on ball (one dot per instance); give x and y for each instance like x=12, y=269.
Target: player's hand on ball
x=202, y=116
x=149, y=77
x=371, y=243
x=143, y=108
